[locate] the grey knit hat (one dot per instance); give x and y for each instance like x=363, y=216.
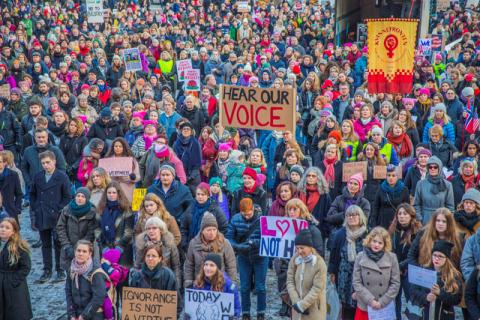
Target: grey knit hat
x=85, y=192
x=467, y=91
x=208, y=220
x=167, y=167
x=472, y=195
x=298, y=169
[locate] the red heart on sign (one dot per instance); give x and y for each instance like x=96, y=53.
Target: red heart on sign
x=283, y=226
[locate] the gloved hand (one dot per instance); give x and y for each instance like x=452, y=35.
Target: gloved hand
x=297, y=309
x=132, y=176
x=69, y=252
x=243, y=248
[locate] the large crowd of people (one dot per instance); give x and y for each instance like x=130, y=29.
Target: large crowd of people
x=68, y=104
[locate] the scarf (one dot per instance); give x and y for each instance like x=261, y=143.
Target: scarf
x=423, y=171
x=329, y=170
x=402, y=144
x=148, y=141
x=352, y=237
x=365, y=121
x=300, y=260
x=79, y=210
x=278, y=207
x=469, y=181
x=375, y=256
x=310, y=197
x=438, y=183
x=250, y=190
x=467, y=220
x=107, y=222
x=198, y=211
x=396, y=189
x=78, y=270
x=150, y=273
x=189, y=151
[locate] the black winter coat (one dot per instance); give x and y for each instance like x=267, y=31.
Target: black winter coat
x=14, y=294
x=10, y=129
x=87, y=299
x=195, y=117
x=163, y=279
x=412, y=178
x=385, y=206
x=11, y=191
x=259, y=197
x=458, y=188
x=338, y=183
x=401, y=250
x=443, y=304
x=31, y=163
x=47, y=199
x=472, y=295
x=72, y=149
x=105, y=132
x=336, y=213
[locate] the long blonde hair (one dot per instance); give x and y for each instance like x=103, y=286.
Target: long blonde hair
x=161, y=212
x=15, y=244
x=382, y=233
x=431, y=235
x=297, y=203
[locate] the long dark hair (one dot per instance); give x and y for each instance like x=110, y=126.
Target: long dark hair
x=415, y=225
x=127, y=152
x=123, y=202
x=217, y=281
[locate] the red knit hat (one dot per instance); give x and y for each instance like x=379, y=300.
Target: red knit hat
x=296, y=69
x=250, y=172
x=336, y=135
x=327, y=83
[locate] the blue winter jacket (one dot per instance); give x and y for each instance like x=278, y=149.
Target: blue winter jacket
x=238, y=234
x=359, y=71
x=448, y=132
x=178, y=199
x=470, y=255
x=269, y=146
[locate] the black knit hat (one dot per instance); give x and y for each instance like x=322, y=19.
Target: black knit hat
x=304, y=238
x=215, y=258
x=443, y=246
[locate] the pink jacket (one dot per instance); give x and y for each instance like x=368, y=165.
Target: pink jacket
x=362, y=130
x=179, y=170
x=81, y=173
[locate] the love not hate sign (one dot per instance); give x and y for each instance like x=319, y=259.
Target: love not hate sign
x=278, y=236
x=257, y=108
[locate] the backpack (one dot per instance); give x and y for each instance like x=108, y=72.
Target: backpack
x=111, y=293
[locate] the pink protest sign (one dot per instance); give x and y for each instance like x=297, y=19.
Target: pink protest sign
x=278, y=236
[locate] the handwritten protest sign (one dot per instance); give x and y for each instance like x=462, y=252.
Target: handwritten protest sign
x=386, y=313
x=351, y=168
x=192, y=80
x=209, y=305
x=242, y=6
x=5, y=91
x=140, y=303
x=257, y=108
x=182, y=66
x=278, y=236
x=138, y=195
x=117, y=166
x=95, y=11
x=421, y=276
x=131, y=57
x=380, y=172
x=425, y=46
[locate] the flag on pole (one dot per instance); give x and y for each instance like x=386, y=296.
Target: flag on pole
x=391, y=50
x=472, y=122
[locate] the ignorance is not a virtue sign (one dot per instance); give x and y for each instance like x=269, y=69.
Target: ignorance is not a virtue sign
x=278, y=236
x=257, y=108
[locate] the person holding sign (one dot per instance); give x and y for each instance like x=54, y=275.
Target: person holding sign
x=391, y=194
x=346, y=244
x=447, y=292
x=376, y=275
x=372, y=156
x=212, y=278
x=85, y=286
x=306, y=280
x=244, y=235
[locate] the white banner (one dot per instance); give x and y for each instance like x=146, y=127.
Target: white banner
x=278, y=236
x=95, y=11
x=211, y=305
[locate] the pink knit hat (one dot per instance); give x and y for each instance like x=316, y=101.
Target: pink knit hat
x=357, y=177
x=139, y=114
x=225, y=147
x=161, y=151
x=425, y=91
x=149, y=122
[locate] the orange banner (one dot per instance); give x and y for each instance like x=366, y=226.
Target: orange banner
x=391, y=49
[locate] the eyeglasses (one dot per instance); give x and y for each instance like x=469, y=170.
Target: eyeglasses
x=432, y=167
x=354, y=214
x=312, y=175
x=438, y=256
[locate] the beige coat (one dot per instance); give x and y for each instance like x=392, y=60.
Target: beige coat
x=307, y=287
x=197, y=251
x=375, y=281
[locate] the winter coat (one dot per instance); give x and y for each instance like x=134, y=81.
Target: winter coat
x=70, y=229
x=336, y=213
x=467, y=224
x=336, y=189
x=444, y=150
x=319, y=212
x=454, y=109
x=244, y=235
x=387, y=121
x=235, y=176
x=472, y=295
x=195, y=117
x=401, y=250
x=149, y=159
x=177, y=200
x=228, y=287
x=171, y=223
x=14, y=294
x=163, y=279
x=83, y=172
x=187, y=221
x=269, y=147
x=339, y=265
x=123, y=237
x=362, y=130
x=385, y=206
x=448, y=132
x=458, y=186
x=170, y=254
x=47, y=199
x=470, y=255
x=72, y=148
x=105, y=132
x=412, y=178
x=87, y=299
x=11, y=191
x=378, y=281
x=259, y=197
x=31, y=162
x=197, y=251
x=168, y=122
x=307, y=287
x=444, y=304
x=426, y=202
x=10, y=129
